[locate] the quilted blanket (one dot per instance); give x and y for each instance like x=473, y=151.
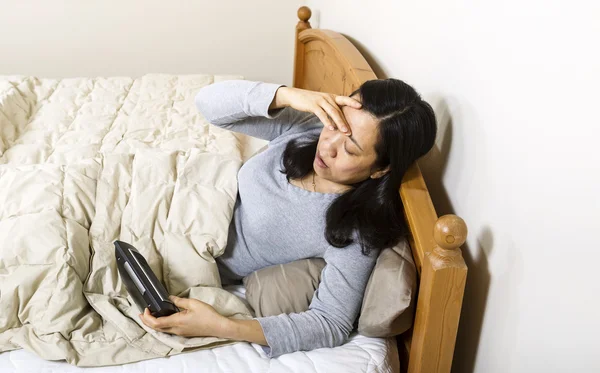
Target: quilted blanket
x=85, y=162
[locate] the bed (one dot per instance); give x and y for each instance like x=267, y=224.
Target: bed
x=324, y=61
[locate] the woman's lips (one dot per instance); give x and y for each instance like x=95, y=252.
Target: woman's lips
x=320, y=161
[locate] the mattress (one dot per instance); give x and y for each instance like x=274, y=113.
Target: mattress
x=359, y=354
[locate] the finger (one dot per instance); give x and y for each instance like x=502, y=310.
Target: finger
x=338, y=119
x=148, y=319
x=160, y=329
x=348, y=101
x=181, y=302
x=145, y=320
x=322, y=115
x=338, y=116
x=157, y=323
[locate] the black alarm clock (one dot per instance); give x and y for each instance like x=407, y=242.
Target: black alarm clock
x=141, y=283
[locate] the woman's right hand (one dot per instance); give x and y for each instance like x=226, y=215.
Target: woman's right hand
x=326, y=106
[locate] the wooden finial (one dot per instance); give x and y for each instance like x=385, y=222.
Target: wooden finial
x=304, y=13
x=441, y=293
x=450, y=232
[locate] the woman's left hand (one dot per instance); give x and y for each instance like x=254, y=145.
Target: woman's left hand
x=196, y=319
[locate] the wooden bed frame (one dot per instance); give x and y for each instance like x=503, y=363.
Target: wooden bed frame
x=326, y=61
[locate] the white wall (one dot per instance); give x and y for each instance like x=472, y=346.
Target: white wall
x=65, y=38
x=515, y=84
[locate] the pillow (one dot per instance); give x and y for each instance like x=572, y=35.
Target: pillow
x=283, y=288
x=388, y=303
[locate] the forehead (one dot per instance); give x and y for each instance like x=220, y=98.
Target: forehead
x=364, y=127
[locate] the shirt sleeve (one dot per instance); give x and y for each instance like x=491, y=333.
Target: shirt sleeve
x=243, y=106
x=333, y=309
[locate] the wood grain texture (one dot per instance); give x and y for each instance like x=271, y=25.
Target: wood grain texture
x=331, y=63
x=304, y=14
x=326, y=61
x=441, y=291
x=419, y=213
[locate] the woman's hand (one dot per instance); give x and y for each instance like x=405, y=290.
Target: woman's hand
x=196, y=319
x=326, y=106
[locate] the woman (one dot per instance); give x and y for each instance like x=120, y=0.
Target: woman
x=327, y=186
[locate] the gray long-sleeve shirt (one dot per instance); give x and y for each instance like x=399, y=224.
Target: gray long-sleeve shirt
x=276, y=222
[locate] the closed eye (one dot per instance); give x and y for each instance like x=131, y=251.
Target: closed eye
x=346, y=150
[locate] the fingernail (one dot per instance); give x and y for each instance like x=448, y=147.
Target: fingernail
x=331, y=128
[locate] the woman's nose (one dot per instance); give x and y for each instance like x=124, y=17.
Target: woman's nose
x=331, y=152
x=333, y=143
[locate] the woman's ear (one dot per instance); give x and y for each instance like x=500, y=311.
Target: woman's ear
x=378, y=174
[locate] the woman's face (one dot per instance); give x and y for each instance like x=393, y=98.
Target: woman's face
x=348, y=159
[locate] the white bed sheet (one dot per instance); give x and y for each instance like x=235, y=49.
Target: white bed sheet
x=359, y=354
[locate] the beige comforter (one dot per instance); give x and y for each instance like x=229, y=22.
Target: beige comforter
x=84, y=162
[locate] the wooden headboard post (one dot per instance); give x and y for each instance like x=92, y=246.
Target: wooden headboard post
x=325, y=61
x=304, y=14
x=442, y=283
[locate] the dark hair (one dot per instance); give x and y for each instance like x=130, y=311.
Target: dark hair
x=372, y=208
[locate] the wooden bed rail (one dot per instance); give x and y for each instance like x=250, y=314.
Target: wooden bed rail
x=326, y=61
x=430, y=346
x=304, y=14
x=435, y=244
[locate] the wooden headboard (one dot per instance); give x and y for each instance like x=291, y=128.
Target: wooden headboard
x=326, y=61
